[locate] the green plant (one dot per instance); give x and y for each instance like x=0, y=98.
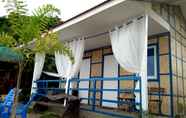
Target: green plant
x=49, y=115
x=147, y=115
x=50, y=64
x=24, y=30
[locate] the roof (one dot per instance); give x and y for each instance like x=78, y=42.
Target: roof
x=8, y=55
x=99, y=5
x=181, y=3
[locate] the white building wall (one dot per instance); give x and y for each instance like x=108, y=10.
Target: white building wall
x=110, y=70
x=84, y=74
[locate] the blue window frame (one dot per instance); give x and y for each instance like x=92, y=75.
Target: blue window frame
x=152, y=62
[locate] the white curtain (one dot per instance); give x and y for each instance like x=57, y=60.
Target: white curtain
x=51, y=74
x=38, y=67
x=64, y=65
x=129, y=45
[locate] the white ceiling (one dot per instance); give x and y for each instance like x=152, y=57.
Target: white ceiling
x=104, y=20
x=103, y=40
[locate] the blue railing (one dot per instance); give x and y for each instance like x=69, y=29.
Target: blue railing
x=44, y=87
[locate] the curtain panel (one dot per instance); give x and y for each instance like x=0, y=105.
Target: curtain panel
x=38, y=67
x=66, y=69
x=129, y=45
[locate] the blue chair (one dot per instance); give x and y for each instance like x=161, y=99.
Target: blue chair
x=21, y=109
x=8, y=102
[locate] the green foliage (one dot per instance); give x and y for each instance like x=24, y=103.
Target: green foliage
x=4, y=25
x=50, y=64
x=7, y=40
x=44, y=14
x=23, y=29
x=27, y=28
x=50, y=115
x=52, y=44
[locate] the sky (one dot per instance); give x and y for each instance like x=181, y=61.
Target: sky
x=69, y=8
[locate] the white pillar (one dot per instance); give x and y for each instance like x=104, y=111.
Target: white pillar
x=143, y=74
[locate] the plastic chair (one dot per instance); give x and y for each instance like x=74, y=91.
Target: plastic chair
x=7, y=103
x=21, y=109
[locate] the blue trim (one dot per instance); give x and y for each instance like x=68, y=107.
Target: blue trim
x=100, y=62
x=90, y=76
x=157, y=64
x=102, y=68
x=94, y=96
x=141, y=110
x=171, y=77
x=118, y=84
x=159, y=85
x=94, y=90
x=68, y=86
x=128, y=76
x=157, y=60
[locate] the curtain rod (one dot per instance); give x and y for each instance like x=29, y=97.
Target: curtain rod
x=106, y=32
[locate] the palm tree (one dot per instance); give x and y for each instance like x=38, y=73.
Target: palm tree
x=30, y=34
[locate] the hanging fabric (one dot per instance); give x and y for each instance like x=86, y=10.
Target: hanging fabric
x=51, y=74
x=66, y=69
x=129, y=45
x=38, y=67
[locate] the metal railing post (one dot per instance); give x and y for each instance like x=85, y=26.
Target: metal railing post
x=68, y=87
x=94, y=95
x=141, y=111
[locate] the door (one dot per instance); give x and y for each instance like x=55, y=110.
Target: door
x=110, y=70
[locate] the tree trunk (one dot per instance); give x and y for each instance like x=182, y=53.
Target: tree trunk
x=13, y=113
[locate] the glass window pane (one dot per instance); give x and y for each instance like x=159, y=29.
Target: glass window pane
x=151, y=62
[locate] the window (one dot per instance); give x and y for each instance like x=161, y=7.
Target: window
x=152, y=62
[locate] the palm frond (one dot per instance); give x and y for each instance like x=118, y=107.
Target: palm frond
x=26, y=28
x=44, y=14
x=16, y=6
x=50, y=43
x=47, y=10
x=7, y=40
x=17, y=16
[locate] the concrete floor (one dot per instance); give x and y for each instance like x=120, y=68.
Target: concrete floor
x=83, y=114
